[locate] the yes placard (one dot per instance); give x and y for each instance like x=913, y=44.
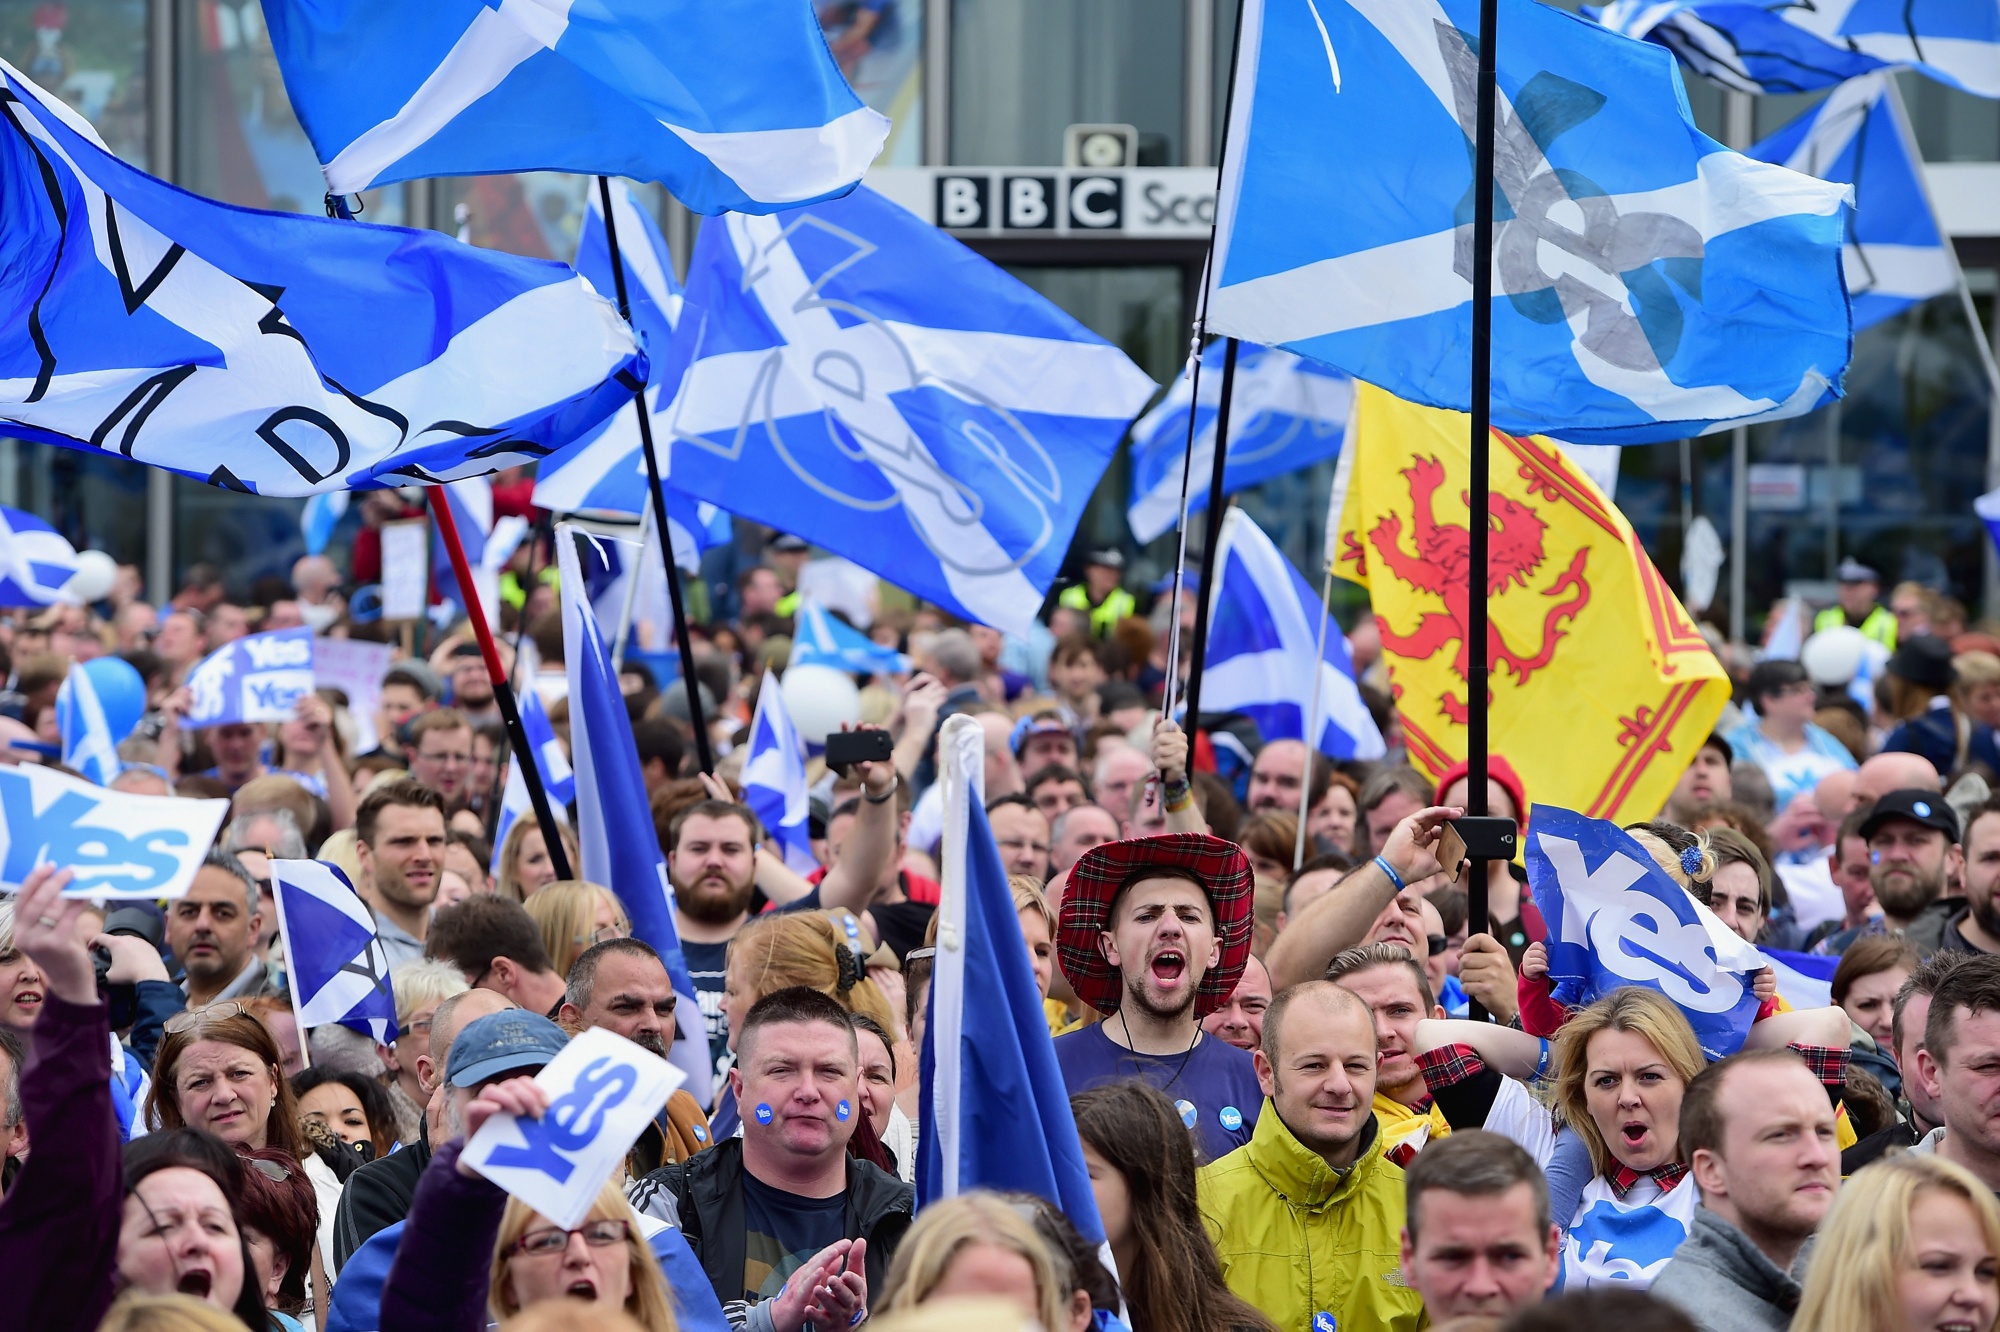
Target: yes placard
x=119, y=844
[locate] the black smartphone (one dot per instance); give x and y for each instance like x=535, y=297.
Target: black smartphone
x=846, y=748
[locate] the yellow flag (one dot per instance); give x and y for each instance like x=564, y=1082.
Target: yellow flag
x=1601, y=688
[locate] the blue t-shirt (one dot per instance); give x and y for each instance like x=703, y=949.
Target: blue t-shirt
x=1214, y=1085
x=707, y=964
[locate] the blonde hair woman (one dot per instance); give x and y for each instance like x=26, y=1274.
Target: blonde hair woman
x=775, y=952
x=977, y=1244
x=1912, y=1242
x=533, y=1260
x=573, y=915
x=525, y=867
x=136, y=1312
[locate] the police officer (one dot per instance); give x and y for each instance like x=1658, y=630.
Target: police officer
x=1860, y=604
x=1099, y=596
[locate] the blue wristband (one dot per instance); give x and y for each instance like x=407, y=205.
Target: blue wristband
x=1382, y=864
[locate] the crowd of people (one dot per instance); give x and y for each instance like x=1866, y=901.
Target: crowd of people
x=1307, y=1095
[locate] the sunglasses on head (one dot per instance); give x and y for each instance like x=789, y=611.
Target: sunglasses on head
x=189, y=1019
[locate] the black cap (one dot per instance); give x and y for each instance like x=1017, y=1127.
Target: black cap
x=1925, y=661
x=1925, y=807
x=1715, y=741
x=787, y=544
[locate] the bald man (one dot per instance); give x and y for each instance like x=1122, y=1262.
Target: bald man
x=1894, y=772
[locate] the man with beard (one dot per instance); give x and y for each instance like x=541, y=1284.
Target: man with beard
x=1974, y=927
x=399, y=839
x=212, y=930
x=1913, y=846
x=1155, y=934
x=622, y=986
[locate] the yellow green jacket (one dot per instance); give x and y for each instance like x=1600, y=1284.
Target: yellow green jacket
x=1879, y=626
x=1117, y=605
x=1298, y=1238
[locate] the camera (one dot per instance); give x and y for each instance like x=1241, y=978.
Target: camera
x=123, y=997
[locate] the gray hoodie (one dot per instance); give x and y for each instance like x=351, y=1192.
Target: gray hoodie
x=1726, y=1284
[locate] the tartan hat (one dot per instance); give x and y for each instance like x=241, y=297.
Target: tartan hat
x=1095, y=879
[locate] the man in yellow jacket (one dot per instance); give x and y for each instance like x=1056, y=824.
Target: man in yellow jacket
x=1307, y=1217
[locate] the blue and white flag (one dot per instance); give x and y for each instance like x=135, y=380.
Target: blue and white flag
x=88, y=743
x=821, y=639
x=338, y=967
x=774, y=777
x=1896, y=253
x=728, y=103
x=1784, y=46
x=851, y=374
x=257, y=678
x=35, y=562
x=118, y=844
x=995, y=1111
x=1805, y=980
x=489, y=542
x=1987, y=506
x=1285, y=413
x=1648, y=283
x=1263, y=637
x=557, y=778
x=1615, y=918
x=273, y=352
x=321, y=514
x=611, y=803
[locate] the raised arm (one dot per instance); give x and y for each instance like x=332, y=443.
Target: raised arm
x=1170, y=760
x=867, y=856
x=1340, y=919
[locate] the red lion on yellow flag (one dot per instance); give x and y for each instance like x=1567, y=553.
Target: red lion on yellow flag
x=1600, y=687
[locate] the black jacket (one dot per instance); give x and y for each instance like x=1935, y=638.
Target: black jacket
x=377, y=1196
x=708, y=1187
x=1901, y=1134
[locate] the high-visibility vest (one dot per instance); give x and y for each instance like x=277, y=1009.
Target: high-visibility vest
x=1105, y=615
x=1879, y=626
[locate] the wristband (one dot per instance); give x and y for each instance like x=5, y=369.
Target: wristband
x=885, y=797
x=1176, y=796
x=1383, y=864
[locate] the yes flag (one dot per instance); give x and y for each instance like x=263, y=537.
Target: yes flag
x=35, y=562
x=1784, y=46
x=1615, y=919
x=272, y=352
x=851, y=374
x=614, y=819
x=557, y=778
x=1602, y=689
x=995, y=1112
x=1263, y=637
x=339, y=969
x=1285, y=413
x=257, y=678
x=774, y=777
x=1896, y=254
x=819, y=639
x=728, y=103
x=1648, y=284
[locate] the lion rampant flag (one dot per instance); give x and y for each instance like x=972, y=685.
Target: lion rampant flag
x=1601, y=688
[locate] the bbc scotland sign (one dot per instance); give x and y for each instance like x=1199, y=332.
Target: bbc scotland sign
x=1168, y=202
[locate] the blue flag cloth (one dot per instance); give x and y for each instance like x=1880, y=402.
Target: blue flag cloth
x=1896, y=253
x=1783, y=46
x=1615, y=918
x=339, y=969
x=995, y=1111
x=774, y=777
x=257, y=678
x=1987, y=506
x=851, y=374
x=1805, y=980
x=272, y=352
x=557, y=778
x=1648, y=283
x=1263, y=636
x=1285, y=413
x=98, y=705
x=35, y=562
x=321, y=514
x=820, y=639
x=614, y=817
x=728, y=103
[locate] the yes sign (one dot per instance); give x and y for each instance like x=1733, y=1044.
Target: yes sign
x=259, y=678
x=119, y=844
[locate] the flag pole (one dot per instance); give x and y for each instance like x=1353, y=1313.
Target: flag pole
x=632, y=592
x=1477, y=921
x=503, y=689
x=1312, y=721
x=682, y=641
x=1198, y=651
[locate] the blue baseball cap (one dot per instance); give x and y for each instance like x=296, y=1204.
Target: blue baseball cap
x=515, y=1041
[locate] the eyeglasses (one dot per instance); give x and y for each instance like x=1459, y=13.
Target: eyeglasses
x=270, y=1170
x=603, y=932
x=189, y=1019
x=553, y=1239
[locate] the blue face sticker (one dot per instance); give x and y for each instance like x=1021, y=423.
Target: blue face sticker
x=1230, y=1118
x=1188, y=1113
x=842, y=1111
x=763, y=1114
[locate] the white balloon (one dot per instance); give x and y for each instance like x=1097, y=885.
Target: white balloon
x=94, y=576
x=820, y=698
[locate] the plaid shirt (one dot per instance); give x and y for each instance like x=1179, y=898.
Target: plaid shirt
x=1827, y=1062
x=1449, y=1065
x=1624, y=1179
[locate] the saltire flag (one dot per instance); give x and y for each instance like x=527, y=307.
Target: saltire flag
x=774, y=777
x=614, y=817
x=731, y=104
x=820, y=638
x=1783, y=46
x=1805, y=980
x=88, y=744
x=850, y=373
x=339, y=970
x=321, y=514
x=1616, y=919
x=36, y=563
x=1263, y=640
x=995, y=1112
x=1285, y=413
x=557, y=777
x=1896, y=253
x=272, y=352
x=1648, y=283
x=1601, y=687
x=1987, y=506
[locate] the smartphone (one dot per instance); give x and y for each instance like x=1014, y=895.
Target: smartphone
x=845, y=748
x=1450, y=851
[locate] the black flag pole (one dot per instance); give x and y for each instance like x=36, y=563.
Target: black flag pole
x=1198, y=650
x=702, y=751
x=1476, y=666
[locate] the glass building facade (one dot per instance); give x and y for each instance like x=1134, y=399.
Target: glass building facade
x=189, y=89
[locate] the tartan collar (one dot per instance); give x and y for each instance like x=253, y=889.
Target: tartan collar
x=1624, y=1179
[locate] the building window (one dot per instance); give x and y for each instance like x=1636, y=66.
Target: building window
x=90, y=53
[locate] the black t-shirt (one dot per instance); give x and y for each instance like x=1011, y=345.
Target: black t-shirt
x=782, y=1232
